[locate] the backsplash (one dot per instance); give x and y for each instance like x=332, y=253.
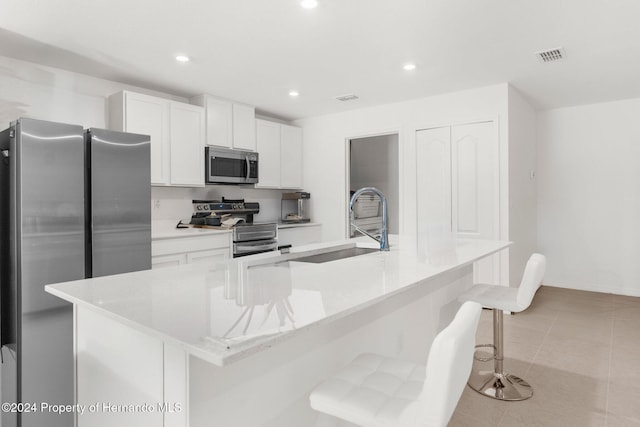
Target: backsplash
x=172, y=203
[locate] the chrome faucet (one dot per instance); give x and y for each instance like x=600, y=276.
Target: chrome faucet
x=384, y=233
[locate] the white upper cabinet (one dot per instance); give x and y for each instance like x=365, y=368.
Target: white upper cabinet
x=177, y=135
x=228, y=124
x=291, y=157
x=244, y=127
x=280, y=155
x=147, y=115
x=268, y=144
x=187, y=145
x=219, y=115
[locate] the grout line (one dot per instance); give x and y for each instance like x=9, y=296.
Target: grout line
x=501, y=420
x=606, y=404
x=546, y=335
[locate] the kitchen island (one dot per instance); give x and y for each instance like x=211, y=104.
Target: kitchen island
x=242, y=342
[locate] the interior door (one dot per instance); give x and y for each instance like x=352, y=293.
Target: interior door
x=458, y=190
x=475, y=190
x=433, y=154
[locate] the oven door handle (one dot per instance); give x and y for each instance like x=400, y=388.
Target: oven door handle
x=269, y=246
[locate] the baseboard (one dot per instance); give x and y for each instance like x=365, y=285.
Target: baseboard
x=592, y=288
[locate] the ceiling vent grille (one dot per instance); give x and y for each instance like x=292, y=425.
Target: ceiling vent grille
x=348, y=97
x=551, y=55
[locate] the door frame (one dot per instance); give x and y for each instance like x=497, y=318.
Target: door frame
x=347, y=178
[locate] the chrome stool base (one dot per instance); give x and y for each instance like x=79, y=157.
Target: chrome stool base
x=496, y=384
x=500, y=386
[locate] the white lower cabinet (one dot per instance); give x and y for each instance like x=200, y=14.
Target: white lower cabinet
x=299, y=235
x=203, y=248
x=208, y=256
x=168, y=260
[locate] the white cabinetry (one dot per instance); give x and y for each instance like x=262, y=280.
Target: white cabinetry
x=149, y=372
x=187, y=145
x=299, y=235
x=458, y=188
x=229, y=124
x=244, y=127
x=203, y=247
x=177, y=135
x=280, y=149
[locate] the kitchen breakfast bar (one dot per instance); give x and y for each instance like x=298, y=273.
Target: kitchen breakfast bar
x=242, y=342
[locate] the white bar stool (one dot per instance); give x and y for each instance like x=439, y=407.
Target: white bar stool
x=498, y=384
x=383, y=392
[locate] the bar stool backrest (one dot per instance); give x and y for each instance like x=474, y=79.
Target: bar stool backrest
x=531, y=280
x=448, y=369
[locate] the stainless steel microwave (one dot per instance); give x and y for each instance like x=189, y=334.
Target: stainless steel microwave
x=225, y=166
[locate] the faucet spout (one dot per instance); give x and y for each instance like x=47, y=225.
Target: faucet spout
x=384, y=233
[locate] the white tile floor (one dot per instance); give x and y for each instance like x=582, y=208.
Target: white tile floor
x=580, y=351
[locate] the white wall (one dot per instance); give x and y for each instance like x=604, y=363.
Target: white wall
x=374, y=163
x=325, y=142
x=522, y=184
x=46, y=93
x=589, y=196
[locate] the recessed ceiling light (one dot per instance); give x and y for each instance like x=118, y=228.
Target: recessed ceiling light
x=294, y=94
x=409, y=67
x=309, y=4
x=182, y=58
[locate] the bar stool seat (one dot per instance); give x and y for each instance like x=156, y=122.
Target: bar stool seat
x=378, y=391
x=498, y=384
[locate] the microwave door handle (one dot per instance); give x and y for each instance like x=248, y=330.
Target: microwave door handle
x=246, y=159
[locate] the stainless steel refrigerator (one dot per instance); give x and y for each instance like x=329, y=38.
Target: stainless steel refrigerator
x=73, y=204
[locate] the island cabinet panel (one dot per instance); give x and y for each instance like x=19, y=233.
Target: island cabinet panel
x=176, y=385
x=458, y=188
x=120, y=371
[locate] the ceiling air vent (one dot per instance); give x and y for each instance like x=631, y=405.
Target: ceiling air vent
x=551, y=55
x=348, y=97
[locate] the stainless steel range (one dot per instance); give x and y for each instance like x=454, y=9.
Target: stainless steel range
x=248, y=237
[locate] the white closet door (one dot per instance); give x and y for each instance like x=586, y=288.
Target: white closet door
x=475, y=189
x=433, y=157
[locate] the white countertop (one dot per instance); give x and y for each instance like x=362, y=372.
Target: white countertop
x=228, y=311
x=166, y=229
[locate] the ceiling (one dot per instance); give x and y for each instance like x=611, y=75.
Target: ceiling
x=257, y=51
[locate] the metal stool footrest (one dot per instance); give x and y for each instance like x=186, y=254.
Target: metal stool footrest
x=482, y=356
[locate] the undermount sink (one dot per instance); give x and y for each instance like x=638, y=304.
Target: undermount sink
x=335, y=255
